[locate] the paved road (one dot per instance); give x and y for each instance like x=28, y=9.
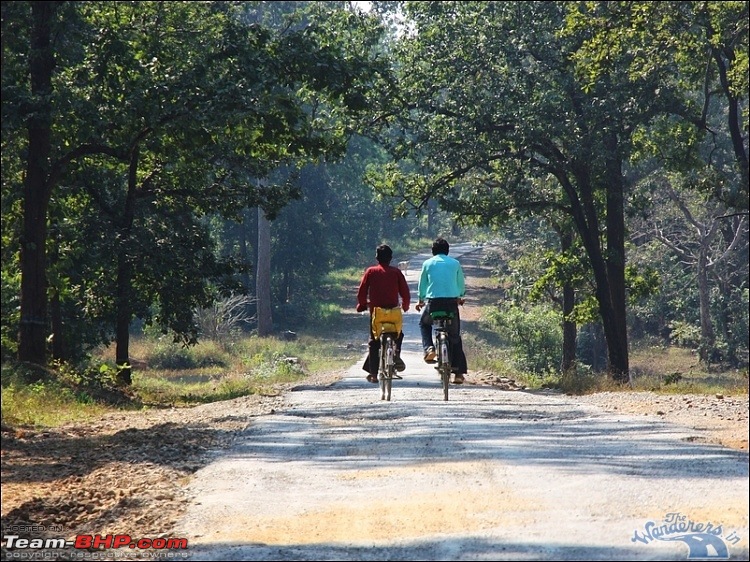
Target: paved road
x=339, y=474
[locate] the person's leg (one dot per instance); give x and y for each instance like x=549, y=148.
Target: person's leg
x=400, y=365
x=425, y=327
x=458, y=358
x=373, y=356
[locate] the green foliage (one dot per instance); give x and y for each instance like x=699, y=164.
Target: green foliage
x=10, y=289
x=685, y=334
x=641, y=283
x=677, y=369
x=165, y=114
x=50, y=401
x=534, y=333
x=250, y=365
x=152, y=128
x=696, y=54
x=45, y=404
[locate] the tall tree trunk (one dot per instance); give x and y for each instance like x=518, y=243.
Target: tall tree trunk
x=125, y=276
x=59, y=349
x=570, y=330
x=37, y=189
x=263, y=275
x=124, y=317
x=431, y=212
x=738, y=195
x=245, y=253
x=584, y=214
x=619, y=360
x=246, y=261
x=708, y=336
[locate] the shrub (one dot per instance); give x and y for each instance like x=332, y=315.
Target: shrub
x=534, y=334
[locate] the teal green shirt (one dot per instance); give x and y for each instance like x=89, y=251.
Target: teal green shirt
x=441, y=277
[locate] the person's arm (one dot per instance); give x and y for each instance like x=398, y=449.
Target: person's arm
x=460, y=281
x=403, y=289
x=422, y=287
x=362, y=292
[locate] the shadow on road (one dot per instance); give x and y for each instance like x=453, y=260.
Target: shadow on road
x=552, y=431
x=454, y=548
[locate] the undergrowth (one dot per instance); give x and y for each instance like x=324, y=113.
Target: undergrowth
x=167, y=375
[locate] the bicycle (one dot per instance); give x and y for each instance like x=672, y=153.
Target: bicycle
x=386, y=326
x=441, y=320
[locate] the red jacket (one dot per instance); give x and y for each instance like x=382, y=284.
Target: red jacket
x=381, y=286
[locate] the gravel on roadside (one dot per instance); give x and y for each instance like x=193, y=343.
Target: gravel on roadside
x=127, y=473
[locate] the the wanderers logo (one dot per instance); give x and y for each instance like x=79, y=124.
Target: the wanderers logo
x=704, y=540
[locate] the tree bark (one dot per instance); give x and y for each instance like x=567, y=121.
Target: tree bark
x=739, y=198
x=708, y=336
x=124, y=314
x=263, y=275
x=37, y=190
x=570, y=329
x=59, y=347
x=246, y=261
x=619, y=361
x=584, y=214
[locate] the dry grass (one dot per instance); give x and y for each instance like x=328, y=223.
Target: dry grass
x=677, y=369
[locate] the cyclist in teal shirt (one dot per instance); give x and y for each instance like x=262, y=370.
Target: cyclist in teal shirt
x=441, y=287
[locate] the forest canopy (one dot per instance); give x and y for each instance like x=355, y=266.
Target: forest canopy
x=159, y=158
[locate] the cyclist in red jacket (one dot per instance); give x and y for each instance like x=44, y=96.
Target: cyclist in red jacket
x=381, y=286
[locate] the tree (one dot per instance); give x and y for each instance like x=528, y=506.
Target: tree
x=706, y=46
x=696, y=238
x=37, y=185
x=179, y=106
x=493, y=107
x=702, y=139
x=263, y=276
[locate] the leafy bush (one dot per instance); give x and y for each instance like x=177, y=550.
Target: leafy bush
x=45, y=403
x=685, y=334
x=533, y=332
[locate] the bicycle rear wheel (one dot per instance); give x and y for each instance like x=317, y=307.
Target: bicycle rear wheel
x=444, y=363
x=387, y=367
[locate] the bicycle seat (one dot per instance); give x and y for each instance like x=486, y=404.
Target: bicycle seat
x=438, y=314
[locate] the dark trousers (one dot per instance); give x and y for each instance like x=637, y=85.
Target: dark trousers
x=372, y=361
x=456, y=349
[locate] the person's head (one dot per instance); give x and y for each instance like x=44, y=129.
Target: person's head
x=440, y=246
x=384, y=254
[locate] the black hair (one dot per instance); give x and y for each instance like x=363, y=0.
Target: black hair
x=440, y=246
x=384, y=254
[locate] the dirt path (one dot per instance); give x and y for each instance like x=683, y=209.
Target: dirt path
x=338, y=474
x=491, y=475
x=142, y=473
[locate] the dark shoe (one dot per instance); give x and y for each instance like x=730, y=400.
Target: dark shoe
x=430, y=354
x=399, y=363
x=458, y=379
x=372, y=378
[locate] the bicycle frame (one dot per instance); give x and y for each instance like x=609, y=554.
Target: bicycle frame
x=387, y=369
x=442, y=341
x=386, y=325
